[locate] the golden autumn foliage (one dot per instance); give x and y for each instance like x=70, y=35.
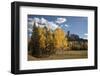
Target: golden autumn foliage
x=59, y=39
x=50, y=42
x=42, y=38
x=49, y=38
x=65, y=43
x=46, y=41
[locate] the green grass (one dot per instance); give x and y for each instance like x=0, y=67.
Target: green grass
x=62, y=55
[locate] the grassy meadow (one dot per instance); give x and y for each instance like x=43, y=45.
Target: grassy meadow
x=62, y=55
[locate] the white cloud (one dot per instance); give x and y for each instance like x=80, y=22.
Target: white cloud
x=86, y=34
x=43, y=21
x=36, y=19
x=42, y=25
x=30, y=29
x=66, y=25
x=85, y=38
x=30, y=19
x=30, y=23
x=53, y=26
x=61, y=20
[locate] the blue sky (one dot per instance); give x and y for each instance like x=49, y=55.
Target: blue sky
x=74, y=24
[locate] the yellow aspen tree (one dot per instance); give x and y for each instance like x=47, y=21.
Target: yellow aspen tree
x=65, y=43
x=49, y=40
x=59, y=38
x=42, y=38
